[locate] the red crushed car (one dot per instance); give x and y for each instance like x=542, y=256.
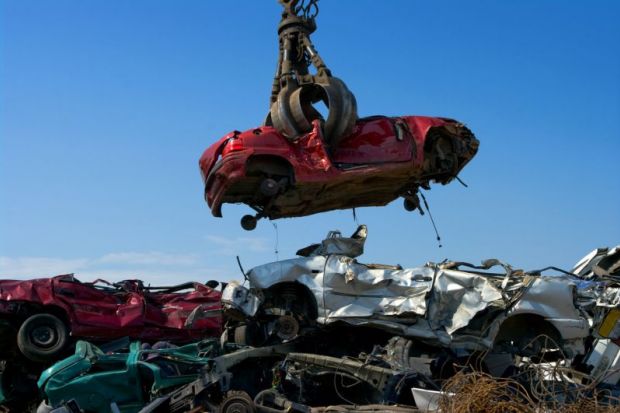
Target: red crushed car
x=46, y=313
x=383, y=158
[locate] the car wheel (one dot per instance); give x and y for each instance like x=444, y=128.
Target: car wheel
x=237, y=402
x=249, y=335
x=410, y=205
x=248, y=222
x=287, y=327
x=42, y=337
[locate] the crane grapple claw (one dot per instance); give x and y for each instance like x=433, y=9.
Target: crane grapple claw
x=296, y=90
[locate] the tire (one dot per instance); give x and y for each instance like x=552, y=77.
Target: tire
x=249, y=335
x=237, y=402
x=42, y=337
x=248, y=222
x=410, y=205
x=242, y=335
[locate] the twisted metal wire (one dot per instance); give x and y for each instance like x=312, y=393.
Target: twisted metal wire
x=541, y=386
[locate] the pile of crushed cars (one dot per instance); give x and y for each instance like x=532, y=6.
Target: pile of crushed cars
x=41, y=319
x=322, y=332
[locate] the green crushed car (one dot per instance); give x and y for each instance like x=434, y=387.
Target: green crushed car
x=103, y=383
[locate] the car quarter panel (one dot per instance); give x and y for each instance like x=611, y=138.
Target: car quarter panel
x=37, y=292
x=553, y=297
x=376, y=141
x=92, y=307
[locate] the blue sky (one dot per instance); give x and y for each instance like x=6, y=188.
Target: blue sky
x=106, y=106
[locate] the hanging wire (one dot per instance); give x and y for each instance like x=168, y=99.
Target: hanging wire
x=355, y=217
x=461, y=181
x=431, y=217
x=277, y=243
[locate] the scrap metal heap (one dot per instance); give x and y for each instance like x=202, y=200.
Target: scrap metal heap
x=326, y=333
x=323, y=332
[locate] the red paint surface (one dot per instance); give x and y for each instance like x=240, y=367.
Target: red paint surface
x=96, y=313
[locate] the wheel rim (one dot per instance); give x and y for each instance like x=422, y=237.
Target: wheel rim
x=44, y=336
x=238, y=406
x=287, y=327
x=269, y=187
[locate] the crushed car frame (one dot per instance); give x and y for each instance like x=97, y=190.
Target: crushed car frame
x=452, y=304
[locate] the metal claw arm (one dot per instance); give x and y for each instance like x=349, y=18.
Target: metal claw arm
x=295, y=89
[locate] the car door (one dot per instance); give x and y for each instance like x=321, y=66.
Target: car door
x=354, y=290
x=377, y=140
x=90, y=306
x=101, y=306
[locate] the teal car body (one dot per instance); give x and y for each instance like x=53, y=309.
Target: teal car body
x=95, y=379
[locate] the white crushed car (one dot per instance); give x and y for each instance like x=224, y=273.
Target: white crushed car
x=454, y=305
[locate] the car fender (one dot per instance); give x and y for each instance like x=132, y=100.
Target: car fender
x=552, y=297
x=211, y=155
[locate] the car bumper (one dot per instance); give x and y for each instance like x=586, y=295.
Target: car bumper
x=225, y=173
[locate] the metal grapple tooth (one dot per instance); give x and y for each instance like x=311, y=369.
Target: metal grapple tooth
x=281, y=116
x=292, y=114
x=342, y=111
x=301, y=106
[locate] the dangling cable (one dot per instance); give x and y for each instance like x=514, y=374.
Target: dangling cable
x=355, y=218
x=245, y=276
x=277, y=244
x=461, y=181
x=431, y=217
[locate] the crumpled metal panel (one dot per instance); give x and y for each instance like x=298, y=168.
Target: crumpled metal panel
x=336, y=244
x=599, y=263
x=352, y=289
x=239, y=297
x=458, y=296
x=599, y=284
x=302, y=270
x=554, y=296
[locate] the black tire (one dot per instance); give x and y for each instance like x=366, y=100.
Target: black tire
x=410, y=205
x=248, y=222
x=42, y=337
x=237, y=402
